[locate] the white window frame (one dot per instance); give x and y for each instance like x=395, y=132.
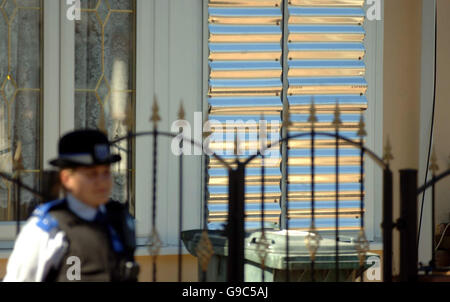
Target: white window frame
x=426, y=108
x=170, y=56
x=374, y=125
x=58, y=82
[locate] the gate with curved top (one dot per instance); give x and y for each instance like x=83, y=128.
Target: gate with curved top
x=235, y=233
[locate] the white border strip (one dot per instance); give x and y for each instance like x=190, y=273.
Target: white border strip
x=426, y=107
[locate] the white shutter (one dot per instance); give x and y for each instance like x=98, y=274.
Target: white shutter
x=244, y=83
x=325, y=63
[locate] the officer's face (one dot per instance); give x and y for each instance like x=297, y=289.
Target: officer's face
x=91, y=185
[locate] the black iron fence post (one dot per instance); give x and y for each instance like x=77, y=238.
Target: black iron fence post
x=236, y=224
x=205, y=207
x=387, y=225
x=17, y=189
x=180, y=214
x=433, y=222
x=408, y=225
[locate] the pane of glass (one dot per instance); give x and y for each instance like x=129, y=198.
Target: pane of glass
x=89, y=4
x=121, y=4
x=20, y=102
x=88, y=110
x=88, y=52
x=244, y=82
x=104, y=79
x=28, y=3
x=3, y=48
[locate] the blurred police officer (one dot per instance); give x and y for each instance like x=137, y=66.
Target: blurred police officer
x=84, y=236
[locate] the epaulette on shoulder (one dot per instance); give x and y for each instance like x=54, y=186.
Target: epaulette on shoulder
x=45, y=220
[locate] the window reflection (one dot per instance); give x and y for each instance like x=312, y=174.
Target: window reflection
x=20, y=100
x=104, y=77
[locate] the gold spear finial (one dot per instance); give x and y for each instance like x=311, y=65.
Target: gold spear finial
x=362, y=246
x=448, y=161
x=337, y=122
x=155, y=118
x=286, y=119
x=312, y=114
x=205, y=134
x=181, y=112
x=434, y=166
x=312, y=241
x=129, y=117
x=154, y=243
x=102, y=123
x=387, y=156
x=236, y=143
x=262, y=133
x=17, y=160
x=262, y=248
x=362, y=126
x=204, y=251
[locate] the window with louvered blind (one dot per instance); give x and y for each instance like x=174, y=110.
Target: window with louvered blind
x=245, y=83
x=325, y=64
x=319, y=45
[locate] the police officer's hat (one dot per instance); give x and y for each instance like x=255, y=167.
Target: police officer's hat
x=84, y=148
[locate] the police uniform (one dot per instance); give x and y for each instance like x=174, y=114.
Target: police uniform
x=67, y=240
